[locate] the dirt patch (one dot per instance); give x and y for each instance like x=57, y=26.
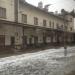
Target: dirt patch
x=72, y=73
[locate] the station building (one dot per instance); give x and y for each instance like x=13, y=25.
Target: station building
x=24, y=25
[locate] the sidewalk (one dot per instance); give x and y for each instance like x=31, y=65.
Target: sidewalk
x=28, y=50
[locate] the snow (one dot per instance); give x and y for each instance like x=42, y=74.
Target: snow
x=48, y=62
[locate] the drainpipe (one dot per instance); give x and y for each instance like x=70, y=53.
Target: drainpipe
x=16, y=2
x=23, y=38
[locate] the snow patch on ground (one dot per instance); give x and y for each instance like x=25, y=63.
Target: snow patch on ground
x=48, y=62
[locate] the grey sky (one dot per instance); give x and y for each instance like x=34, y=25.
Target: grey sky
x=57, y=4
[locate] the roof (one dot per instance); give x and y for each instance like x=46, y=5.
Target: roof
x=36, y=8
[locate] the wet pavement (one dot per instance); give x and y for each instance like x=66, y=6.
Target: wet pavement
x=47, y=62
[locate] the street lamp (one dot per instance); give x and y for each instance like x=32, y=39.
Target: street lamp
x=65, y=31
x=64, y=13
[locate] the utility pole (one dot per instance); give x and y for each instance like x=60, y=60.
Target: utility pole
x=64, y=13
x=65, y=31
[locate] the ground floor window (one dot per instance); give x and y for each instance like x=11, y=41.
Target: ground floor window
x=2, y=40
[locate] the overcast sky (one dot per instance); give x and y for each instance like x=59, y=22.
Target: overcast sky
x=57, y=4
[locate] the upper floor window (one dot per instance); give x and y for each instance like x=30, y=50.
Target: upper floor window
x=53, y=24
x=62, y=26
x=57, y=25
x=71, y=19
x=24, y=18
x=2, y=12
x=44, y=22
x=35, y=21
x=71, y=28
x=50, y=23
x=65, y=27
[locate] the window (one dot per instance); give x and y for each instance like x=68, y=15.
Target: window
x=50, y=23
x=71, y=19
x=24, y=18
x=66, y=27
x=44, y=22
x=2, y=40
x=53, y=24
x=2, y=12
x=35, y=21
x=57, y=25
x=71, y=28
x=12, y=40
x=24, y=40
x=62, y=26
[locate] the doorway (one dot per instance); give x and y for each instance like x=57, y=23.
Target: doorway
x=2, y=40
x=24, y=40
x=35, y=40
x=12, y=41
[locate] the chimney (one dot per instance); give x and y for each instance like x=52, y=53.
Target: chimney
x=46, y=7
x=40, y=5
x=56, y=12
x=63, y=12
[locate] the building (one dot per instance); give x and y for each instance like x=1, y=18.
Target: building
x=23, y=25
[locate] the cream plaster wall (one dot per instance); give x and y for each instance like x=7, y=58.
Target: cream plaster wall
x=16, y=31
x=9, y=5
x=70, y=23
x=11, y=30
x=31, y=13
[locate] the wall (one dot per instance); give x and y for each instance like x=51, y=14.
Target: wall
x=9, y=5
x=11, y=30
x=31, y=13
x=70, y=23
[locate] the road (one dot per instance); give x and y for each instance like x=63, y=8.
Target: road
x=47, y=62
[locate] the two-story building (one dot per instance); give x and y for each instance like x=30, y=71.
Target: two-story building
x=22, y=24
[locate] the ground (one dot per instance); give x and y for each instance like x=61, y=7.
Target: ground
x=72, y=73
x=47, y=62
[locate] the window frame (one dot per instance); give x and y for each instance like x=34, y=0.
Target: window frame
x=24, y=18
x=44, y=22
x=50, y=24
x=53, y=24
x=35, y=21
x=2, y=12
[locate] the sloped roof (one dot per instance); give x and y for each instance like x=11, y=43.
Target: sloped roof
x=36, y=8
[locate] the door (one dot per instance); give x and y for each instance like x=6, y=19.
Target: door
x=30, y=40
x=35, y=40
x=12, y=41
x=2, y=40
x=25, y=40
x=44, y=39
